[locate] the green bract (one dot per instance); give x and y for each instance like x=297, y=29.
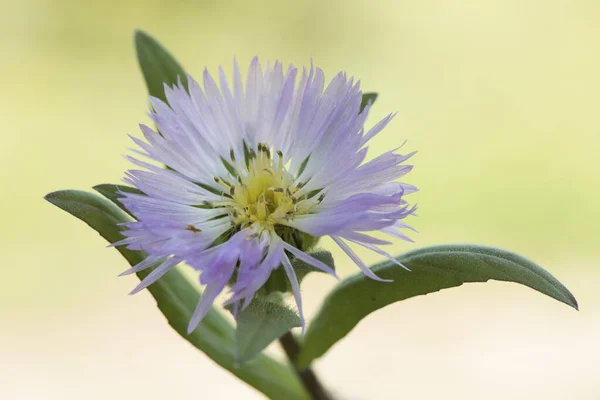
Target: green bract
x=262, y=322
x=368, y=98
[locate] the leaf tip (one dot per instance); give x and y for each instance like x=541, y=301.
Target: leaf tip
x=49, y=197
x=53, y=197
x=568, y=298
x=573, y=302
x=139, y=35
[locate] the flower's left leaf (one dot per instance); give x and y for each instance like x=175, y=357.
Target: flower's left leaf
x=177, y=298
x=259, y=324
x=158, y=65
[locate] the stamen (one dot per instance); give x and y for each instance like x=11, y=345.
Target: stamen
x=222, y=183
x=280, y=161
x=264, y=149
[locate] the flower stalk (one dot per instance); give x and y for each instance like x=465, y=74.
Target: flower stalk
x=309, y=380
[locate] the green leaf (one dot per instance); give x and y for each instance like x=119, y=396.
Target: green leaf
x=259, y=324
x=158, y=65
x=366, y=98
x=177, y=299
x=432, y=269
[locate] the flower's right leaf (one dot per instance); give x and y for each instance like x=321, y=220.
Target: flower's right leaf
x=259, y=324
x=368, y=98
x=431, y=269
x=177, y=298
x=158, y=66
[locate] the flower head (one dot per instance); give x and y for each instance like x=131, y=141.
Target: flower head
x=255, y=173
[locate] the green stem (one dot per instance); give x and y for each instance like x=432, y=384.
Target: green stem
x=307, y=376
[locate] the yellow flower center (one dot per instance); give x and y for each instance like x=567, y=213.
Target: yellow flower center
x=264, y=193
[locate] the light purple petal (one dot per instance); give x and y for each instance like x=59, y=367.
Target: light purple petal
x=299, y=254
x=206, y=300
x=146, y=263
x=289, y=271
x=156, y=274
x=363, y=267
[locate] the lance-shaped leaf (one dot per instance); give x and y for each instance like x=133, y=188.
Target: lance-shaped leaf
x=432, y=269
x=259, y=324
x=158, y=65
x=177, y=298
x=366, y=99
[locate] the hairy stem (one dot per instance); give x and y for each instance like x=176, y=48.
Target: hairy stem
x=307, y=376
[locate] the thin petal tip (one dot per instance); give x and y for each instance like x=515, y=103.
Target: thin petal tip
x=191, y=328
x=136, y=290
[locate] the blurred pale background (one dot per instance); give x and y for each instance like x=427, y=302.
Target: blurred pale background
x=500, y=98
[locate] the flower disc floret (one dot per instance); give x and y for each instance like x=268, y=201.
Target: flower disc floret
x=262, y=193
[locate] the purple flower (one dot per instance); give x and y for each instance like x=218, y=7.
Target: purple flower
x=255, y=172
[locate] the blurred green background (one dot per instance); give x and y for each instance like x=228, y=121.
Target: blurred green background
x=500, y=98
